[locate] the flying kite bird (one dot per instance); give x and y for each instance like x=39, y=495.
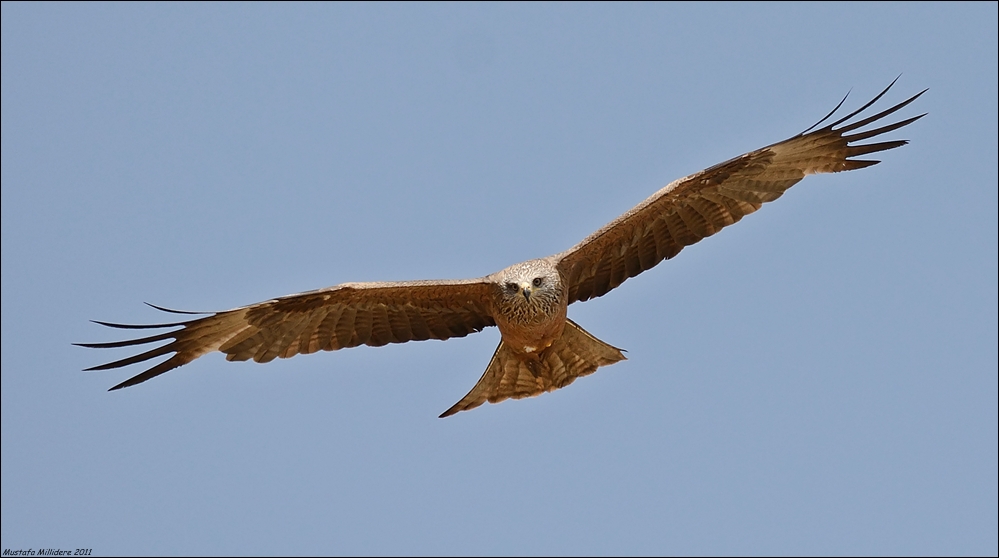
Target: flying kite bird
x=540, y=349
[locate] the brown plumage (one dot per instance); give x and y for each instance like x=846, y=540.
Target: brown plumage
x=541, y=350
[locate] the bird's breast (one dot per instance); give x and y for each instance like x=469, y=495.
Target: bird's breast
x=529, y=337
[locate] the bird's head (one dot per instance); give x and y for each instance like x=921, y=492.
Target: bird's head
x=531, y=283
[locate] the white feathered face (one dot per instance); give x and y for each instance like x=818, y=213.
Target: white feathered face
x=531, y=283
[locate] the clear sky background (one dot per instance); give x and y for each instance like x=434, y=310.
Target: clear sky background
x=820, y=378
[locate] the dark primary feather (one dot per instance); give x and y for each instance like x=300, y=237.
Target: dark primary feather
x=699, y=205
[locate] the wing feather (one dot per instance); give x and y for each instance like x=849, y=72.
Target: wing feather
x=700, y=205
x=327, y=319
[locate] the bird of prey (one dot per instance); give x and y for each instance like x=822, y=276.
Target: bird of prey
x=540, y=350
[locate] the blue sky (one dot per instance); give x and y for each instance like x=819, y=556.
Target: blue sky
x=820, y=378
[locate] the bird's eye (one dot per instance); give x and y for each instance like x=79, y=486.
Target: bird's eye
x=537, y=281
x=512, y=287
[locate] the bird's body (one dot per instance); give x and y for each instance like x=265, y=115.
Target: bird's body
x=541, y=349
x=531, y=308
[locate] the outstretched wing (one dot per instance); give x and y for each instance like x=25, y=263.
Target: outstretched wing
x=343, y=316
x=699, y=205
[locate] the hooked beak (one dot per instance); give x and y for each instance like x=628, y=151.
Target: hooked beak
x=525, y=289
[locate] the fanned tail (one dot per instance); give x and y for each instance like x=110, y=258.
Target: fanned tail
x=576, y=353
